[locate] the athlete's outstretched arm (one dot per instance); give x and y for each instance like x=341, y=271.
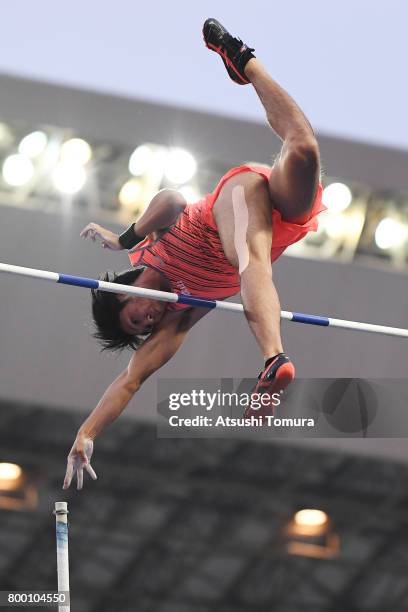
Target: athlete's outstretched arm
x=161, y=213
x=151, y=356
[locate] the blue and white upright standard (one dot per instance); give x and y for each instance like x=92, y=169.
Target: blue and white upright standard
x=61, y=527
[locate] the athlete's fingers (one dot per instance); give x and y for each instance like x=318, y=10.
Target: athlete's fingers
x=91, y=471
x=80, y=478
x=68, y=479
x=82, y=456
x=86, y=229
x=90, y=230
x=88, y=233
x=88, y=450
x=68, y=474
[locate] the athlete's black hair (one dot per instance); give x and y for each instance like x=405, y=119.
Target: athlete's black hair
x=105, y=310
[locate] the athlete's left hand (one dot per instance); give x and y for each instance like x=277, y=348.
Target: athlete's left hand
x=109, y=240
x=78, y=460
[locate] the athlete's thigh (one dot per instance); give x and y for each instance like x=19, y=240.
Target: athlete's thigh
x=294, y=181
x=243, y=214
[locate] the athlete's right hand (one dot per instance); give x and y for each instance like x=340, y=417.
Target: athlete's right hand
x=109, y=239
x=79, y=458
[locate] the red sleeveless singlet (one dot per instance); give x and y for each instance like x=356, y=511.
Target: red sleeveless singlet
x=190, y=254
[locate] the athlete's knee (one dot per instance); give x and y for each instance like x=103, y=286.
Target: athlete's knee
x=259, y=262
x=303, y=151
x=294, y=193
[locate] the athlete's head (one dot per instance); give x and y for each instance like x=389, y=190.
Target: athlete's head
x=123, y=321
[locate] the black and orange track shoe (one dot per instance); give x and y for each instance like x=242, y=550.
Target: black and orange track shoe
x=279, y=372
x=234, y=53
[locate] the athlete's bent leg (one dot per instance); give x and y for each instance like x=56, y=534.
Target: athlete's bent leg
x=295, y=175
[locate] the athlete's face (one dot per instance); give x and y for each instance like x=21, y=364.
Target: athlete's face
x=140, y=315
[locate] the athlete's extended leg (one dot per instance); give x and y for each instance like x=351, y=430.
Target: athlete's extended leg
x=248, y=194
x=243, y=214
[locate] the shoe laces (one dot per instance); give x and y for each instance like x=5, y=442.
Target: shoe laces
x=244, y=45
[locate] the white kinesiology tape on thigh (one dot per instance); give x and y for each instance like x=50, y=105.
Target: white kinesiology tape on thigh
x=241, y=216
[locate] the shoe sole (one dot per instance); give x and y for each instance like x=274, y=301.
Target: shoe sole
x=284, y=376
